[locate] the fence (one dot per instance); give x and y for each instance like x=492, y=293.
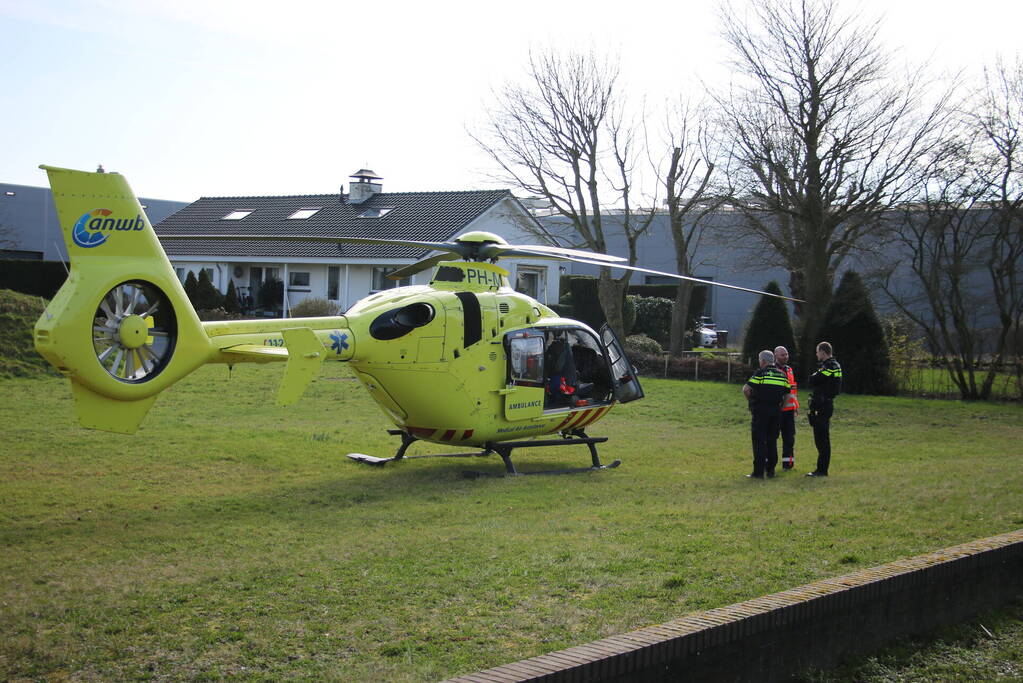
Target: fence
x=720, y=366
x=928, y=379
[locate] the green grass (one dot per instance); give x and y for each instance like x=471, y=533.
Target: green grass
x=232, y=539
x=987, y=649
x=18, y=314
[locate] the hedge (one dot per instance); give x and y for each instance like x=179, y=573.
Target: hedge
x=37, y=278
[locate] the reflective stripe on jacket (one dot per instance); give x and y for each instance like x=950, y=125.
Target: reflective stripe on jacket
x=792, y=399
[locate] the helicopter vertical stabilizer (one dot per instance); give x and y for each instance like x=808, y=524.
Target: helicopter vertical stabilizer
x=121, y=327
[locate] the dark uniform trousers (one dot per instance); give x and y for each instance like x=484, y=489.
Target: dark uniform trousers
x=788, y=438
x=821, y=409
x=764, y=428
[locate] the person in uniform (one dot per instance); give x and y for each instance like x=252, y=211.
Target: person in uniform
x=789, y=411
x=825, y=385
x=765, y=391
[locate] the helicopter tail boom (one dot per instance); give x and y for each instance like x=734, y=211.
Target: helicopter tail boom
x=122, y=329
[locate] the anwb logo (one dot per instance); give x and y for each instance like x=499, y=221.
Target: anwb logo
x=90, y=230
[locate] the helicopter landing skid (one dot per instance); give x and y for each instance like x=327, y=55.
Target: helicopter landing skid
x=502, y=448
x=406, y=441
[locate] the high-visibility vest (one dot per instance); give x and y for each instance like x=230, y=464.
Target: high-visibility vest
x=792, y=399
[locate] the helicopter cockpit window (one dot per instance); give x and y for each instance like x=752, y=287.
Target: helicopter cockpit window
x=526, y=354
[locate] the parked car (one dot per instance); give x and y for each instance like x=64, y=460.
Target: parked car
x=706, y=332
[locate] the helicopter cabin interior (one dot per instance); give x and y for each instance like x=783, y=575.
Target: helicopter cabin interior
x=555, y=369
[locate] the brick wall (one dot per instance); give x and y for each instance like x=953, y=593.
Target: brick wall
x=816, y=625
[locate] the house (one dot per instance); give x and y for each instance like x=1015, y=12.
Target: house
x=341, y=273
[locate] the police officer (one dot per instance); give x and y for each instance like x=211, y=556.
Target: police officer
x=765, y=390
x=825, y=384
x=789, y=411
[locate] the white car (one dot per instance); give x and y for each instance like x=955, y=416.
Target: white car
x=706, y=335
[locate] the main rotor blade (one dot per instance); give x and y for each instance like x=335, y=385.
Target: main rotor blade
x=418, y=266
x=320, y=239
x=683, y=277
x=545, y=251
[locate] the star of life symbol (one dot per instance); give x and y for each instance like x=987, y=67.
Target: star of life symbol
x=340, y=341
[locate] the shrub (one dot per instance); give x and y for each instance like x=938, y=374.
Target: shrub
x=768, y=327
x=231, y=303
x=716, y=368
x=314, y=308
x=191, y=288
x=855, y=333
x=640, y=343
x=206, y=295
x=271, y=294
x=653, y=317
x=39, y=278
x=218, y=314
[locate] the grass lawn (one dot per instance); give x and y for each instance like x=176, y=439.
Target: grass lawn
x=232, y=539
x=987, y=649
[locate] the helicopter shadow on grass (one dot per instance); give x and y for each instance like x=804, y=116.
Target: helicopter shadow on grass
x=348, y=487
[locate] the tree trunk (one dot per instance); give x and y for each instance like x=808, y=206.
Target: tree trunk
x=610, y=292
x=680, y=318
x=817, y=283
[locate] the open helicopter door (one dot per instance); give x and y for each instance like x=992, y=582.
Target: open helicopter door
x=624, y=381
x=524, y=395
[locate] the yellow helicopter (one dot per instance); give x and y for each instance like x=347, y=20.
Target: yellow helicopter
x=465, y=361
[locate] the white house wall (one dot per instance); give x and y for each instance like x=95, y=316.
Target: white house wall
x=356, y=275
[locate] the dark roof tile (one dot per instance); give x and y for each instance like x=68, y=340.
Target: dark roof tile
x=427, y=216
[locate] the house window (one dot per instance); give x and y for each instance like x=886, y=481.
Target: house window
x=529, y=281
x=381, y=281
x=376, y=213
x=333, y=282
x=180, y=272
x=303, y=213
x=237, y=215
x=297, y=278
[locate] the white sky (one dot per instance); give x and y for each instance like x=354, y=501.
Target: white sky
x=247, y=97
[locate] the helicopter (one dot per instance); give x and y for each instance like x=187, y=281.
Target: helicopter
x=464, y=361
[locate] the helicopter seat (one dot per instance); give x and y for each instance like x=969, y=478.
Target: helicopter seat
x=563, y=385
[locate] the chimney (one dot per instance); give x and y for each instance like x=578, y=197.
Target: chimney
x=363, y=187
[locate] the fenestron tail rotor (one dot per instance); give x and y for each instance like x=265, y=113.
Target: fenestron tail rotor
x=134, y=331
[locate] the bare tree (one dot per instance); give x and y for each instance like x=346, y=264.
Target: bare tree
x=563, y=136
x=690, y=199
x=963, y=239
x=999, y=120
x=824, y=139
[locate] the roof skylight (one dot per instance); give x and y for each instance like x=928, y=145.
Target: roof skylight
x=376, y=213
x=237, y=215
x=303, y=213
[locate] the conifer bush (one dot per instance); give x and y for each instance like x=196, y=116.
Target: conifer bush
x=857, y=336
x=191, y=287
x=769, y=327
x=231, y=303
x=207, y=296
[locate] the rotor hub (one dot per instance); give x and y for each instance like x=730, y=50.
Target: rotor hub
x=133, y=331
